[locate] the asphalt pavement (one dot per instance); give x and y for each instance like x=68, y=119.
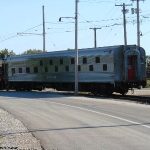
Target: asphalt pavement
x=63, y=122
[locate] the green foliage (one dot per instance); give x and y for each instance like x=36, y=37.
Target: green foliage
x=148, y=83
x=148, y=63
x=5, y=52
x=32, y=51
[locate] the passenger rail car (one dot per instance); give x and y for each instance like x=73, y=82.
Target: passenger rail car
x=102, y=70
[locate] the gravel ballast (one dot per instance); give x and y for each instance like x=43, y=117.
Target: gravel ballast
x=14, y=135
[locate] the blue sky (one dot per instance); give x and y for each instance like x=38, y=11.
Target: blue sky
x=26, y=16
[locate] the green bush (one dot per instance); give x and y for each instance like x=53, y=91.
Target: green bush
x=148, y=83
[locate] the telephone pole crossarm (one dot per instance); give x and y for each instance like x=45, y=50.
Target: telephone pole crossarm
x=95, y=35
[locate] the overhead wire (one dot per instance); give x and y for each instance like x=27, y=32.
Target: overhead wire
x=82, y=22
x=97, y=1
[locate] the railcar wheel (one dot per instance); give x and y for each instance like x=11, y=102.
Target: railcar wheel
x=123, y=93
x=109, y=92
x=95, y=93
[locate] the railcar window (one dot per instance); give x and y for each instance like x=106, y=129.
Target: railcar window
x=20, y=70
x=91, y=68
x=46, y=69
x=35, y=69
x=84, y=60
x=104, y=67
x=67, y=68
x=72, y=61
x=56, y=68
x=97, y=59
x=51, y=62
x=79, y=68
x=61, y=61
x=13, y=71
x=41, y=63
x=27, y=70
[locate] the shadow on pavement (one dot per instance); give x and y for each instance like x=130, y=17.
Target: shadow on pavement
x=33, y=94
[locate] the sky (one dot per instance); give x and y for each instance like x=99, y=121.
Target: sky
x=25, y=16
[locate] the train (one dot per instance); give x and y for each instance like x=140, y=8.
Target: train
x=101, y=70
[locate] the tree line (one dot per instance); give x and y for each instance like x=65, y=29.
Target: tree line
x=148, y=66
x=6, y=52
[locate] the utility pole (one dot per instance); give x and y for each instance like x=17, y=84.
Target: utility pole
x=76, y=87
x=137, y=10
x=43, y=28
x=95, y=36
x=76, y=48
x=138, y=24
x=124, y=22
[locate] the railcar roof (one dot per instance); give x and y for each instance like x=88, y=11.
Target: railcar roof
x=101, y=50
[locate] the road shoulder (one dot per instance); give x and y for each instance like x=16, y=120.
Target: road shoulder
x=14, y=135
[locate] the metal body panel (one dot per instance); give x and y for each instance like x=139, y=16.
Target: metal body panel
x=113, y=59
x=97, y=75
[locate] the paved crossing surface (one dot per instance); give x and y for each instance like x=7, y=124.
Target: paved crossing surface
x=64, y=122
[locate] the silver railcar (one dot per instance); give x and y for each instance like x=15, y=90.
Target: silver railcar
x=101, y=70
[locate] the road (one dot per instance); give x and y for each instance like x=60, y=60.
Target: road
x=63, y=122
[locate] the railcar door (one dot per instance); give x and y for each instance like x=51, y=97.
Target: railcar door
x=132, y=67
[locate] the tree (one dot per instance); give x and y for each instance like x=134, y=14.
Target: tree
x=148, y=66
x=32, y=51
x=5, y=52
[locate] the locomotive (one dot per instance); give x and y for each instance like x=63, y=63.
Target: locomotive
x=101, y=70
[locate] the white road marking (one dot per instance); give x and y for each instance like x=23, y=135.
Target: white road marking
x=101, y=113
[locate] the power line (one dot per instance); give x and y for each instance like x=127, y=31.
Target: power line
x=96, y=1
x=16, y=35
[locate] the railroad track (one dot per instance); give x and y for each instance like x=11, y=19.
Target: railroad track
x=138, y=99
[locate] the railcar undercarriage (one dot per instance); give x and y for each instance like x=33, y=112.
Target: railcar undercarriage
x=94, y=88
